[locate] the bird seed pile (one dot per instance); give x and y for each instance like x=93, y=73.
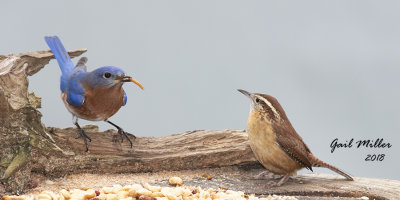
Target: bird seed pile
x=145, y=192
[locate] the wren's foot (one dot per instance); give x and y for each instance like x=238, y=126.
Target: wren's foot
x=264, y=175
x=122, y=133
x=83, y=135
x=283, y=180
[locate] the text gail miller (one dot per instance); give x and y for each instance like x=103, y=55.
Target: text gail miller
x=378, y=143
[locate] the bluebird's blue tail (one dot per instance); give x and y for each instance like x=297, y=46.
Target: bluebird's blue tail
x=63, y=59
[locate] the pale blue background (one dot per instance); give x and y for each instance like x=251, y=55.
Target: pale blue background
x=333, y=65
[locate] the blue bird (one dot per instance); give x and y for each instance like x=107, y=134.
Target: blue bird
x=93, y=96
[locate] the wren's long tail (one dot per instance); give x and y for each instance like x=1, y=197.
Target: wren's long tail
x=63, y=59
x=319, y=163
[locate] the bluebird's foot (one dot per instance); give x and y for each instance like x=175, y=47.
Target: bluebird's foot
x=83, y=135
x=122, y=133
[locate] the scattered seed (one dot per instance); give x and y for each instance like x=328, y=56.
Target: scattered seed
x=175, y=181
x=139, y=192
x=223, y=188
x=144, y=197
x=194, y=191
x=207, y=176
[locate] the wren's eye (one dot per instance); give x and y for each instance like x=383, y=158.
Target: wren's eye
x=107, y=75
x=257, y=100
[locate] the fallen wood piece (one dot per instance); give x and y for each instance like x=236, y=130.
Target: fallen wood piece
x=188, y=150
x=222, y=158
x=201, y=152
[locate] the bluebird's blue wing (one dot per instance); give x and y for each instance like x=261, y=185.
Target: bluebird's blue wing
x=75, y=91
x=125, y=98
x=75, y=99
x=63, y=59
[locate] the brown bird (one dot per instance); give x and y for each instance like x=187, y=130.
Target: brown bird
x=275, y=143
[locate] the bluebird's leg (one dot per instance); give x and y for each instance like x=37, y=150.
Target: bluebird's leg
x=121, y=132
x=82, y=133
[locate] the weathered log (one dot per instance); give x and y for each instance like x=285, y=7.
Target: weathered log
x=224, y=155
x=189, y=150
x=29, y=148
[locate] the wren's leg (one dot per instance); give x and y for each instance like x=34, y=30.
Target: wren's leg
x=282, y=181
x=122, y=133
x=82, y=133
x=264, y=175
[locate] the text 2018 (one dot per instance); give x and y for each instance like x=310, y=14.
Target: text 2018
x=374, y=157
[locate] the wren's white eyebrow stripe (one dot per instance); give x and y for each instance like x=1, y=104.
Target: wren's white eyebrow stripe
x=276, y=114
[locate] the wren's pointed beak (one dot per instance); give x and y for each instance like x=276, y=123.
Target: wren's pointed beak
x=248, y=94
x=130, y=79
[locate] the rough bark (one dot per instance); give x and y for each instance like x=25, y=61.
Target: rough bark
x=30, y=148
x=21, y=131
x=107, y=154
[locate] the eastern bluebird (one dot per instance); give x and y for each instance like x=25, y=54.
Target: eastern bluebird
x=94, y=96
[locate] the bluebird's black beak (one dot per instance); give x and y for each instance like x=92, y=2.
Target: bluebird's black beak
x=130, y=79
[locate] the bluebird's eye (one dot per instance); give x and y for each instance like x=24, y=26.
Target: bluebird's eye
x=107, y=75
x=257, y=100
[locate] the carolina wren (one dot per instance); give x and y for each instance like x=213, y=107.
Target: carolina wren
x=275, y=143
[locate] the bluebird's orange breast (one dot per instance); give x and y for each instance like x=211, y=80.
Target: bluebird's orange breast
x=100, y=103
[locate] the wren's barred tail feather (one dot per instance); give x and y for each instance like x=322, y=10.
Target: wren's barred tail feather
x=319, y=163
